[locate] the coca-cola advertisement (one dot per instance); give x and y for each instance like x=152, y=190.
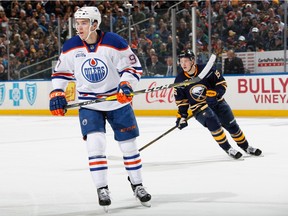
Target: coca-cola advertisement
x=162, y=99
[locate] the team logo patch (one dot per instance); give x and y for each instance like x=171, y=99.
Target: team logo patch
x=84, y=122
x=2, y=93
x=94, y=70
x=197, y=93
x=80, y=54
x=31, y=92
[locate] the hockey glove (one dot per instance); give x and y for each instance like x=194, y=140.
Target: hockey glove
x=57, y=102
x=181, y=121
x=211, y=98
x=124, y=94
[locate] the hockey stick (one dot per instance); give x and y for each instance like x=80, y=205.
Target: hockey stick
x=203, y=73
x=162, y=135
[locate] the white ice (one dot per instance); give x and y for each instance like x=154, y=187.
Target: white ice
x=44, y=170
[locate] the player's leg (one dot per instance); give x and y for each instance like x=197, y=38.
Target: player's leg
x=93, y=129
x=126, y=130
x=209, y=120
x=229, y=122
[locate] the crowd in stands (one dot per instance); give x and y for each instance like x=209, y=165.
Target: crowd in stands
x=238, y=25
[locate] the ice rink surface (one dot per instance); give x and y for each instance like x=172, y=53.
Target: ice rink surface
x=44, y=170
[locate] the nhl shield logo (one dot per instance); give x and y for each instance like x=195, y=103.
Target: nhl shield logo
x=2, y=93
x=31, y=92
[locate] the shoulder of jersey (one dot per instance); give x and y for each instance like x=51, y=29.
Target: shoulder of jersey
x=73, y=43
x=114, y=40
x=180, y=77
x=200, y=67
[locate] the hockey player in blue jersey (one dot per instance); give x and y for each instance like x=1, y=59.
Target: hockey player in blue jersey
x=208, y=106
x=102, y=64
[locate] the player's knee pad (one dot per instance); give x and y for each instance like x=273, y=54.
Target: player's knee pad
x=128, y=147
x=232, y=126
x=208, y=119
x=96, y=143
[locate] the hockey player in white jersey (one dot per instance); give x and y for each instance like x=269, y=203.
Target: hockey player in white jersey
x=102, y=64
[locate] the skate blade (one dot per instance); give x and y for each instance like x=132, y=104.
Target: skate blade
x=106, y=209
x=146, y=204
x=253, y=156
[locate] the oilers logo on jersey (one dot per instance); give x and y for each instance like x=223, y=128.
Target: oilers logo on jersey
x=94, y=70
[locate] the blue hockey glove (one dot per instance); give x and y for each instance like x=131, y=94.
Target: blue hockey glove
x=57, y=102
x=181, y=121
x=211, y=98
x=124, y=94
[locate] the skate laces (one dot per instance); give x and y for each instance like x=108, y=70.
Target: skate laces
x=232, y=151
x=250, y=149
x=103, y=194
x=140, y=191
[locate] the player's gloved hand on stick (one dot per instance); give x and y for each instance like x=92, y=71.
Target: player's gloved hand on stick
x=58, y=102
x=211, y=98
x=181, y=121
x=124, y=94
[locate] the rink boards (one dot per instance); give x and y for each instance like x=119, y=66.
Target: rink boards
x=249, y=95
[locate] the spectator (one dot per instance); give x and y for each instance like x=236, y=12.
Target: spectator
x=156, y=68
x=255, y=39
x=278, y=43
x=183, y=31
x=163, y=32
x=3, y=73
x=169, y=66
x=138, y=16
x=105, y=24
x=277, y=29
x=281, y=24
x=149, y=59
x=244, y=28
x=162, y=54
x=179, y=45
x=260, y=47
x=157, y=43
x=231, y=39
x=241, y=45
x=120, y=16
x=263, y=30
x=233, y=64
x=269, y=41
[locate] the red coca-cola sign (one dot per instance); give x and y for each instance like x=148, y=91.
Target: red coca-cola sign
x=164, y=95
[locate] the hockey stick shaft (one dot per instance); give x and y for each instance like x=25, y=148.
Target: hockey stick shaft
x=162, y=135
x=203, y=73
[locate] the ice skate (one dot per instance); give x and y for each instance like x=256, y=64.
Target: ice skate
x=104, y=197
x=141, y=194
x=234, y=153
x=253, y=151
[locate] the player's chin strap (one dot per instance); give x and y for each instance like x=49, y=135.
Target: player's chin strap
x=193, y=65
x=88, y=34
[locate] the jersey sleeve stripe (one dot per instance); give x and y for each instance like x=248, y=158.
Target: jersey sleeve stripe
x=62, y=75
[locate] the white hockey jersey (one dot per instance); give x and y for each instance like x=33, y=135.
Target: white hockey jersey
x=97, y=69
